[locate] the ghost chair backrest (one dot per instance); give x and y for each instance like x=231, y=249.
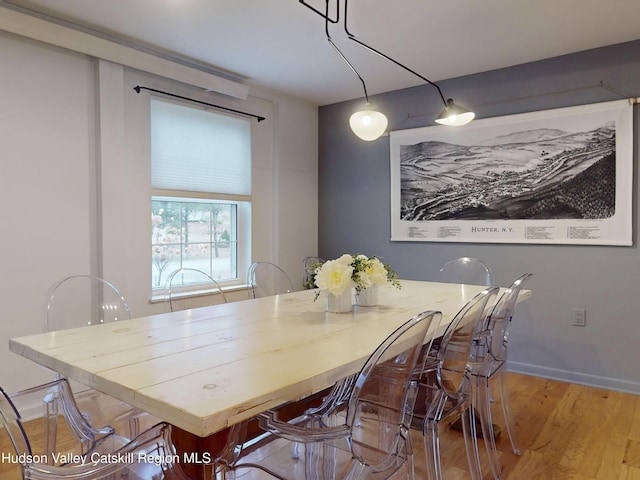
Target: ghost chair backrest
x=309, y=266
x=190, y=288
x=267, y=279
x=80, y=300
x=467, y=270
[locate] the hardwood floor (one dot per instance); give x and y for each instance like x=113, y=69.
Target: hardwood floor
x=566, y=432
x=569, y=431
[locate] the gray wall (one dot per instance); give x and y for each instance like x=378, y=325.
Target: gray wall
x=354, y=215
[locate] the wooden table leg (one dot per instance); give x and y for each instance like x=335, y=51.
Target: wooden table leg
x=197, y=454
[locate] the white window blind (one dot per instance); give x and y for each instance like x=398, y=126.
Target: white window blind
x=197, y=150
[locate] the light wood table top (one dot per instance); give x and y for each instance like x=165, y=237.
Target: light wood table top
x=205, y=369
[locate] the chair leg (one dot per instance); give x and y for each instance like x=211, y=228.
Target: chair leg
x=295, y=450
x=320, y=461
x=408, y=448
x=354, y=472
x=471, y=443
x=503, y=384
x=50, y=426
x=330, y=462
x=133, y=426
x=432, y=449
x=220, y=472
x=482, y=403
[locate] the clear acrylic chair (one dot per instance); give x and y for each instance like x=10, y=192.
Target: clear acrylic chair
x=445, y=387
x=309, y=265
x=268, y=279
x=79, y=451
x=81, y=300
x=61, y=424
x=489, y=362
x=209, y=291
x=467, y=270
x=368, y=436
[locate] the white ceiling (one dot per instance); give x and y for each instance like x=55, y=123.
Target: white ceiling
x=281, y=44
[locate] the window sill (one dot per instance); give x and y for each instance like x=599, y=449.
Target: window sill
x=161, y=297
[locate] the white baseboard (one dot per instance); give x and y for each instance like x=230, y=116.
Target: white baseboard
x=608, y=383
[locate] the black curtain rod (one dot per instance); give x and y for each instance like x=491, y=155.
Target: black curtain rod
x=258, y=117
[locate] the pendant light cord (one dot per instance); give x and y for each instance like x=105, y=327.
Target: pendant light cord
x=378, y=52
x=335, y=47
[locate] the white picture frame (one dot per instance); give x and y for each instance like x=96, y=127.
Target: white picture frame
x=562, y=176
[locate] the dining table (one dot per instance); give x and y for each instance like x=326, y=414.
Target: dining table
x=206, y=369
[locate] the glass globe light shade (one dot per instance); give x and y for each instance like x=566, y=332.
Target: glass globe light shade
x=368, y=124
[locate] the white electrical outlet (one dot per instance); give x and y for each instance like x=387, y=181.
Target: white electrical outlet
x=578, y=317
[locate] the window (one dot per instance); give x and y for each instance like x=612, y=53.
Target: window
x=201, y=203
x=191, y=234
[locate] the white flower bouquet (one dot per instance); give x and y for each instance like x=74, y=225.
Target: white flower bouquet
x=348, y=271
x=335, y=276
x=371, y=271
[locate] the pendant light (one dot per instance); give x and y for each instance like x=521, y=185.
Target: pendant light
x=452, y=115
x=367, y=124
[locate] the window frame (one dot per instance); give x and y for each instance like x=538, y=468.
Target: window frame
x=243, y=216
x=242, y=235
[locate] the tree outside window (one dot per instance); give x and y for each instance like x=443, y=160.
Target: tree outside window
x=192, y=234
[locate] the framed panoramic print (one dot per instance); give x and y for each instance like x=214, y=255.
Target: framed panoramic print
x=562, y=176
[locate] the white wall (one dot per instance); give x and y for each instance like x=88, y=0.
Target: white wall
x=75, y=182
x=46, y=184
x=296, y=235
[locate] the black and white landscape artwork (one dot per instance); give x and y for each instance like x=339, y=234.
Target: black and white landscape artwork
x=538, y=173
x=561, y=176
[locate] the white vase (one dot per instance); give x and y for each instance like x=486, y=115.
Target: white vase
x=368, y=297
x=339, y=303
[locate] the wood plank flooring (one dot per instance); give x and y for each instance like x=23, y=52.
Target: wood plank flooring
x=566, y=432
